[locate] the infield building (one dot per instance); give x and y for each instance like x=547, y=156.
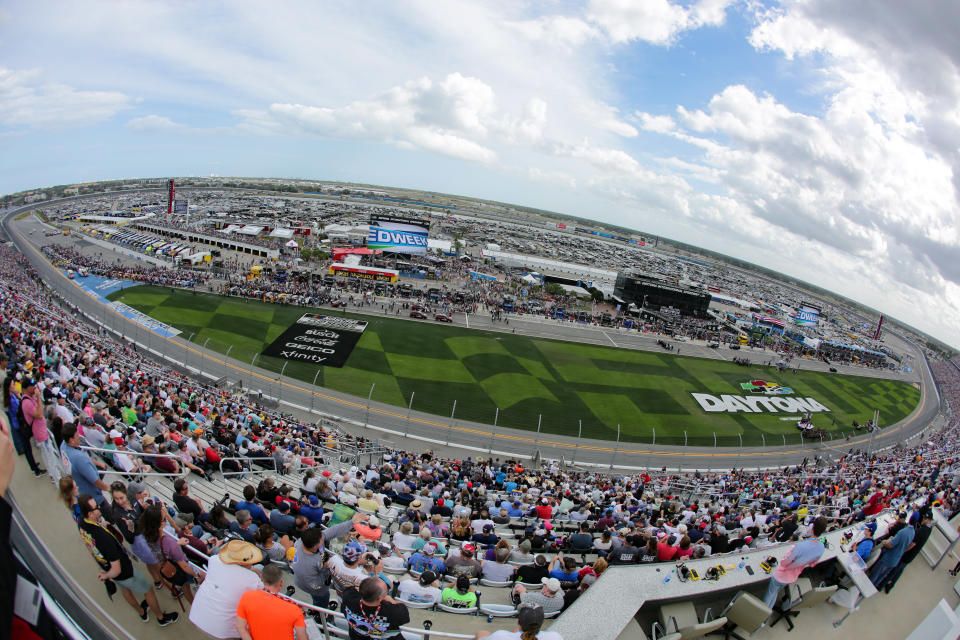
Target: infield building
x=648, y=291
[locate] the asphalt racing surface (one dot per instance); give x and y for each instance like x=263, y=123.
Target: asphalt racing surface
x=454, y=437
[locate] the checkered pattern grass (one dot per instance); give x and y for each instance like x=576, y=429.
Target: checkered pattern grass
x=529, y=379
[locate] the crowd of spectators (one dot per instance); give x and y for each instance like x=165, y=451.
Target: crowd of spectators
x=413, y=529
x=67, y=257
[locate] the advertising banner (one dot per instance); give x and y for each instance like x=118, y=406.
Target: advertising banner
x=318, y=339
x=807, y=315
x=364, y=273
x=398, y=234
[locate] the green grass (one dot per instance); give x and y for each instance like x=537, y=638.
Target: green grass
x=528, y=380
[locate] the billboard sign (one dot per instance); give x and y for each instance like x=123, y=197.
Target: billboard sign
x=364, y=273
x=398, y=234
x=180, y=206
x=807, y=315
x=318, y=339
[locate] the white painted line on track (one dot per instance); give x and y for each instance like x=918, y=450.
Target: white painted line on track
x=610, y=339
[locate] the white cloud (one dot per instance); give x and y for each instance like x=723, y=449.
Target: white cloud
x=569, y=31
x=155, y=124
x=657, y=124
x=27, y=101
x=654, y=21
x=606, y=117
x=451, y=117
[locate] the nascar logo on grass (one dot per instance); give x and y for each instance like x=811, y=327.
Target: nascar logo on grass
x=756, y=404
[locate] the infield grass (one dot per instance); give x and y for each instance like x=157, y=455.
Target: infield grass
x=560, y=384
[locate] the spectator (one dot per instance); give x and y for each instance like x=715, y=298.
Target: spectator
x=261, y=614
x=534, y=573
x=426, y=560
x=371, y=614
x=254, y=510
x=230, y=574
x=345, y=568
x=243, y=526
x=459, y=595
x=803, y=555
x=530, y=618
x=404, y=538
x=116, y=565
x=424, y=590
x=272, y=548
x=174, y=567
x=309, y=566
x=81, y=467
x=281, y=520
x=499, y=570
x=550, y=597
x=564, y=568
x=465, y=564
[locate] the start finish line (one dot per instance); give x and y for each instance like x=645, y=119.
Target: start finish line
x=756, y=404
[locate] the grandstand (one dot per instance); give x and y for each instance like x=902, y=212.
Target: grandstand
x=732, y=518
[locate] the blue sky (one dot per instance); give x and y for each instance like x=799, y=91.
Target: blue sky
x=813, y=137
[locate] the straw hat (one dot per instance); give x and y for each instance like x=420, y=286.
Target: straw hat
x=240, y=552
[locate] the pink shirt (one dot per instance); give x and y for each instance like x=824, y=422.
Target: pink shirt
x=803, y=555
x=37, y=425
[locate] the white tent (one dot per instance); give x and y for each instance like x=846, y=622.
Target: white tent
x=281, y=232
x=292, y=243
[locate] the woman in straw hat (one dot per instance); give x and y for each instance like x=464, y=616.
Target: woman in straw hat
x=229, y=575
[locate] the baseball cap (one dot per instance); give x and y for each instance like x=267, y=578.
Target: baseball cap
x=487, y=528
x=119, y=441
x=429, y=549
x=551, y=583
x=135, y=488
x=588, y=579
x=314, y=501
x=354, y=550
x=529, y=615
x=467, y=548
x=374, y=522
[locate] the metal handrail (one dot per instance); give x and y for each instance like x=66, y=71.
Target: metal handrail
x=130, y=452
x=425, y=632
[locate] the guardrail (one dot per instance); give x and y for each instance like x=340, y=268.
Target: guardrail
x=140, y=474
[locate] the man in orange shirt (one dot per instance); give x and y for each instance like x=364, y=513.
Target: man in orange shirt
x=263, y=615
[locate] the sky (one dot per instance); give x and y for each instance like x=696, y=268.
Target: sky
x=815, y=137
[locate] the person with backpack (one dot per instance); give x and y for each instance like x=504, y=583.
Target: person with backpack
x=31, y=406
x=18, y=421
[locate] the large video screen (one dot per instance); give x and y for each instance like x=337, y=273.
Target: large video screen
x=807, y=315
x=398, y=234
x=318, y=339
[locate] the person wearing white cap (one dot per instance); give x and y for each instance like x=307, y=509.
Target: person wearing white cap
x=550, y=597
x=229, y=575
